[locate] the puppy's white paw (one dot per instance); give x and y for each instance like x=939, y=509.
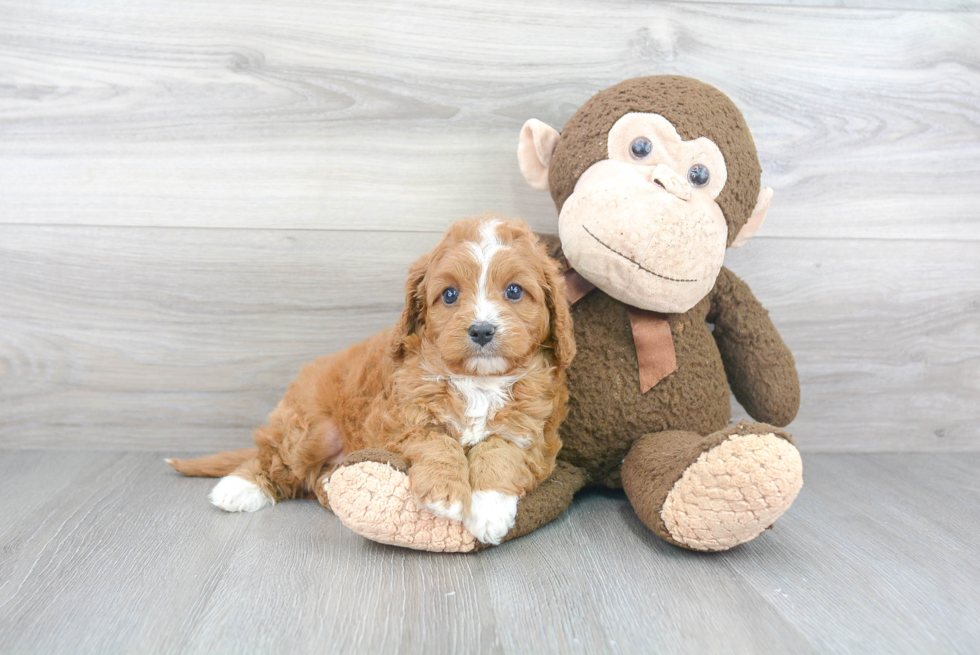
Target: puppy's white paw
x=451, y=511
x=235, y=494
x=491, y=515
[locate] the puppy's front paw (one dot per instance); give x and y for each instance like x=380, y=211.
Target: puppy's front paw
x=452, y=511
x=440, y=494
x=235, y=494
x=491, y=516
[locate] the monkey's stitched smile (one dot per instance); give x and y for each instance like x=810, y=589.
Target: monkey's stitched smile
x=633, y=261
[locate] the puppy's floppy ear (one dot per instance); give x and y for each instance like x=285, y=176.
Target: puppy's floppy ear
x=562, y=333
x=413, y=315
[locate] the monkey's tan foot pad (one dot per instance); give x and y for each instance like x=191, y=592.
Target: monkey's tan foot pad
x=375, y=501
x=733, y=492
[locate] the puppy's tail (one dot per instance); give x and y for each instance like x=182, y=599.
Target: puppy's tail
x=213, y=466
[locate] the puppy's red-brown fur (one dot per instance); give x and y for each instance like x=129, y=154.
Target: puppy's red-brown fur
x=471, y=418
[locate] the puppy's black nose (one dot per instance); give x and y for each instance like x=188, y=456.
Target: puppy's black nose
x=482, y=333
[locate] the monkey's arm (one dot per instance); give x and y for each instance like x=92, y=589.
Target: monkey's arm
x=760, y=367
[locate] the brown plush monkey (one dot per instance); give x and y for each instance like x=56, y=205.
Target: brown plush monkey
x=653, y=179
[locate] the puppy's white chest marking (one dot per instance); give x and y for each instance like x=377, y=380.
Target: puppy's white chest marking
x=484, y=395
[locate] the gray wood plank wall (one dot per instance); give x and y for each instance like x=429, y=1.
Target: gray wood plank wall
x=198, y=197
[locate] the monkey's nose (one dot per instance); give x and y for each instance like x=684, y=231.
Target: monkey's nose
x=482, y=333
x=665, y=176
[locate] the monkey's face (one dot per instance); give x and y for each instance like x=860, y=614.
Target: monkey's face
x=643, y=224
x=643, y=214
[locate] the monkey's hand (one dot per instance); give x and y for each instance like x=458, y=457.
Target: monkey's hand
x=760, y=368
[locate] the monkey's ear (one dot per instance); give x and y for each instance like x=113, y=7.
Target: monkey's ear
x=755, y=220
x=534, y=150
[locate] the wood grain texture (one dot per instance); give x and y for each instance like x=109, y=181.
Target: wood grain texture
x=112, y=552
x=189, y=336
x=914, y=5
x=404, y=116
x=171, y=338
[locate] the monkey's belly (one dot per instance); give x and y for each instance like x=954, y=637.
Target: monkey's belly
x=607, y=412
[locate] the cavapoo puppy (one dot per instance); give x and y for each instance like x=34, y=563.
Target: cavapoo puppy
x=468, y=387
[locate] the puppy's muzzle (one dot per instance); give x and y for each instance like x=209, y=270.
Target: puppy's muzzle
x=482, y=333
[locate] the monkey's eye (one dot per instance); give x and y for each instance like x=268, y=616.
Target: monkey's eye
x=698, y=175
x=641, y=148
x=450, y=296
x=514, y=292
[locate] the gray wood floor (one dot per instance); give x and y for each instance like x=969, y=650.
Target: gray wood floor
x=112, y=552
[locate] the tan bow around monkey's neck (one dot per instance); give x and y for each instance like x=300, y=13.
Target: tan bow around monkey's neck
x=651, y=334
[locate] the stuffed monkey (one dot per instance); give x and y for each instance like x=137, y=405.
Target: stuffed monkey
x=654, y=178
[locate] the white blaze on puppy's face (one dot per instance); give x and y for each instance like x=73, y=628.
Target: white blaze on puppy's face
x=486, y=311
x=483, y=252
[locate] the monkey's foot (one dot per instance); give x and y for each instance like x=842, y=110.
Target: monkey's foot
x=734, y=491
x=373, y=498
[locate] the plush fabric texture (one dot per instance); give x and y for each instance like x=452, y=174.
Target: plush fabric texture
x=576, y=286
x=688, y=412
x=756, y=220
x=671, y=152
x=371, y=495
x=696, y=109
x=654, y=346
x=712, y=492
x=651, y=334
x=598, y=433
x=374, y=500
x=623, y=231
x=607, y=412
x=733, y=492
x=380, y=455
x=760, y=368
x=548, y=501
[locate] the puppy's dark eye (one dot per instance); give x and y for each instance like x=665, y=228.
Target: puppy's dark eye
x=641, y=147
x=514, y=292
x=698, y=175
x=450, y=296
